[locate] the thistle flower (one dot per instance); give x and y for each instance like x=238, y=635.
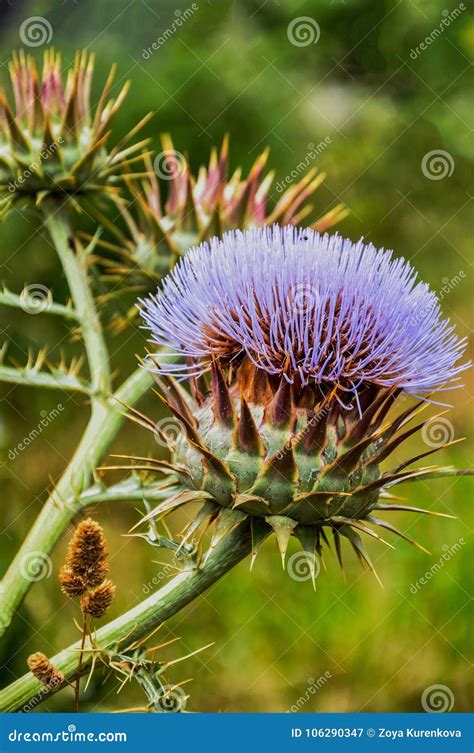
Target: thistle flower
x=71, y=585
x=315, y=309
x=86, y=559
x=97, y=601
x=84, y=575
x=308, y=340
x=52, y=143
x=196, y=209
x=40, y=666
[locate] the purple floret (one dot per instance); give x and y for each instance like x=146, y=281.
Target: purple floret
x=314, y=308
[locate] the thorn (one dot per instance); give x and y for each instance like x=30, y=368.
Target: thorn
x=222, y=402
x=282, y=409
x=283, y=528
x=247, y=437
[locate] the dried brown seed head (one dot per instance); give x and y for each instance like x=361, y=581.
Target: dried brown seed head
x=71, y=585
x=97, y=602
x=87, y=553
x=44, y=671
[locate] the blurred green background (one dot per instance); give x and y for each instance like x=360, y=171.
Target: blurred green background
x=231, y=68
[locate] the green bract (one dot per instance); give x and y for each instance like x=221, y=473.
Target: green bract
x=306, y=471
x=52, y=143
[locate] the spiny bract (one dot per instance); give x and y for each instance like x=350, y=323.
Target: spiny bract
x=309, y=340
x=196, y=209
x=51, y=141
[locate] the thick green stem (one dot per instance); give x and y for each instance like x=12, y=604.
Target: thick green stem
x=17, y=301
x=138, y=622
x=36, y=378
x=106, y=417
x=66, y=501
x=128, y=490
x=74, y=263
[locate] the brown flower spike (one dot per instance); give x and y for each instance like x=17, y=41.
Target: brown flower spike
x=96, y=602
x=44, y=671
x=83, y=575
x=71, y=585
x=86, y=564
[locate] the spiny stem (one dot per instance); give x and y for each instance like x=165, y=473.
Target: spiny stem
x=77, y=686
x=17, y=301
x=106, y=418
x=140, y=621
x=37, y=378
x=74, y=263
x=65, y=501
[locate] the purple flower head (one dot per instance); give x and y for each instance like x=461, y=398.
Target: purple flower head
x=316, y=309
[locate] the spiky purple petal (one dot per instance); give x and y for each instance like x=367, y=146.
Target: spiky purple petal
x=311, y=307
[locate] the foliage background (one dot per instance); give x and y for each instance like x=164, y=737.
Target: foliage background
x=230, y=68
